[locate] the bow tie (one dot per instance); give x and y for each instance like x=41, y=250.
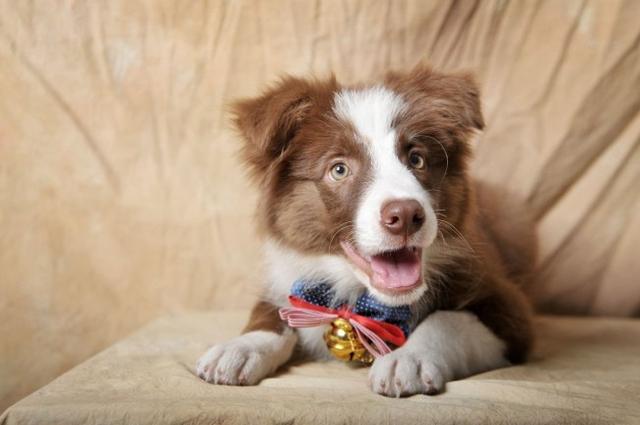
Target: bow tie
x=314, y=303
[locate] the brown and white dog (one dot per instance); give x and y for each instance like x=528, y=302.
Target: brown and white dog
x=367, y=188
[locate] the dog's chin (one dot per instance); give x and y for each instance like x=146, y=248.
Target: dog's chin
x=397, y=299
x=394, y=277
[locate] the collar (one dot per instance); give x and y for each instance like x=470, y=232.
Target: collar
x=320, y=293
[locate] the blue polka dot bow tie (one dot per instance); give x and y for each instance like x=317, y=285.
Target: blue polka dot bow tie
x=313, y=304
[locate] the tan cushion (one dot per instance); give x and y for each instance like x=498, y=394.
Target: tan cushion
x=583, y=371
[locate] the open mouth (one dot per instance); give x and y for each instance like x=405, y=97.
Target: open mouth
x=390, y=271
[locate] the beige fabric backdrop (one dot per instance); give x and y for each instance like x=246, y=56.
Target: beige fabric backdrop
x=120, y=198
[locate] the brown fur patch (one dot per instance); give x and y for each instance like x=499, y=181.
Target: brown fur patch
x=292, y=138
x=264, y=317
x=475, y=276
x=510, y=227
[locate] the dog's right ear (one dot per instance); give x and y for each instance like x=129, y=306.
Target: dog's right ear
x=269, y=122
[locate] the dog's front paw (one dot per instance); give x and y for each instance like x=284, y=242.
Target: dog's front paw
x=244, y=360
x=404, y=373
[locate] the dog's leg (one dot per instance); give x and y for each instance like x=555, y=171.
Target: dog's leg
x=446, y=345
x=265, y=345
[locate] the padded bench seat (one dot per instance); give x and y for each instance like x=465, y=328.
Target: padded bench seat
x=584, y=370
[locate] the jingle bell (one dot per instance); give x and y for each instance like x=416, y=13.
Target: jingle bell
x=344, y=344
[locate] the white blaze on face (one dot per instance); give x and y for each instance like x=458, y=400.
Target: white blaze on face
x=371, y=112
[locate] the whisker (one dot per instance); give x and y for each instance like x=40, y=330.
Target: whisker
x=344, y=226
x=446, y=157
x=450, y=227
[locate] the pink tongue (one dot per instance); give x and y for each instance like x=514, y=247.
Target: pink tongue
x=396, y=270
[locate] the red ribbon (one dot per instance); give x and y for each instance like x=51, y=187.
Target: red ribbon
x=386, y=331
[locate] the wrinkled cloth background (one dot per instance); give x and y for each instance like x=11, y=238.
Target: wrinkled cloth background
x=121, y=198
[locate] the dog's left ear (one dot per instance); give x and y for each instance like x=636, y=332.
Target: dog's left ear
x=456, y=96
x=269, y=122
x=464, y=92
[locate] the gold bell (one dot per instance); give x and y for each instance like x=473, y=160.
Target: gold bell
x=342, y=341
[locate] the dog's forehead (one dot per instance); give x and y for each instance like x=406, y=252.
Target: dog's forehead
x=371, y=111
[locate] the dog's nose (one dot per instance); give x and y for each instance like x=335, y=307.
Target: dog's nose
x=402, y=216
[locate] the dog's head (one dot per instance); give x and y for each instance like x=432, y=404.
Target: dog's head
x=364, y=172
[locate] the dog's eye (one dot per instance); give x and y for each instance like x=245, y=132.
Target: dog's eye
x=339, y=171
x=416, y=160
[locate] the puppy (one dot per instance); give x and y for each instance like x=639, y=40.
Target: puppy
x=366, y=190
